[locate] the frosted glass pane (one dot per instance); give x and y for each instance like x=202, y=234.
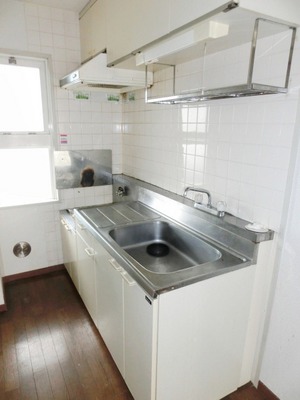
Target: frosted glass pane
x=21, y=99
x=25, y=176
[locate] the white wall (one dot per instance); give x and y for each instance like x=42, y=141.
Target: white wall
x=281, y=361
x=239, y=149
x=89, y=124
x=242, y=151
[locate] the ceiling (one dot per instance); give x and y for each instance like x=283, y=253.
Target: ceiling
x=74, y=5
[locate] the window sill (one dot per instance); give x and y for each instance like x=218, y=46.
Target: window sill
x=9, y=203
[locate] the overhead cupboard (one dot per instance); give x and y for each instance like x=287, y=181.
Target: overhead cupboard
x=93, y=30
x=128, y=29
x=155, y=37
x=119, y=30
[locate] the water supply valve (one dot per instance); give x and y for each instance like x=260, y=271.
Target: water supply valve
x=122, y=191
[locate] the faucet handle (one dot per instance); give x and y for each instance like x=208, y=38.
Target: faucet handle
x=221, y=208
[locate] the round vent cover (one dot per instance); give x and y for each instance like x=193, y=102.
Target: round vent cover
x=22, y=249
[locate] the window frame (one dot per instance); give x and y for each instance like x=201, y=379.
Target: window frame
x=43, y=64
x=28, y=139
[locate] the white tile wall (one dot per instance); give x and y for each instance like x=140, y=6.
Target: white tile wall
x=88, y=124
x=239, y=149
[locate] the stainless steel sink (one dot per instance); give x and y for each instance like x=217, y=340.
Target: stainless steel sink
x=159, y=254
x=163, y=248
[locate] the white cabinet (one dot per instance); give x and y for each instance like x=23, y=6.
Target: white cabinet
x=180, y=13
x=109, y=319
x=68, y=236
x=176, y=346
x=2, y=302
x=93, y=30
x=183, y=12
x=140, y=325
x=126, y=319
x=201, y=337
x=86, y=270
x=134, y=24
x=78, y=254
x=138, y=23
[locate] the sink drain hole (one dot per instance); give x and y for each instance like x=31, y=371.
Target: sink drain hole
x=158, y=249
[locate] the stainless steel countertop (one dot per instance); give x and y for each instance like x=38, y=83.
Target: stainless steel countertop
x=147, y=203
x=101, y=220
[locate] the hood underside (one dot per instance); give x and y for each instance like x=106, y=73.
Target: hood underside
x=95, y=75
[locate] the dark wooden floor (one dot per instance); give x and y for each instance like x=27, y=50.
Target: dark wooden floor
x=50, y=348
x=248, y=392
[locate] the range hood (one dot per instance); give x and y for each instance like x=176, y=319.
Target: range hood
x=95, y=75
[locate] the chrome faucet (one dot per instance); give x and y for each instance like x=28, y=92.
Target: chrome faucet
x=221, y=205
x=199, y=190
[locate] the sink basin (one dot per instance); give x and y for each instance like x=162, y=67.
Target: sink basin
x=163, y=248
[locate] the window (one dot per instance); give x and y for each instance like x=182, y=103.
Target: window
x=24, y=96
x=25, y=176
x=26, y=121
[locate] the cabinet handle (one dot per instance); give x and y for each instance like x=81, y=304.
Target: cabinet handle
x=66, y=226
x=115, y=264
x=90, y=251
x=127, y=278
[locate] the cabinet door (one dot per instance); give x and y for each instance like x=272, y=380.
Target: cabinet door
x=1, y=284
x=93, y=31
x=202, y=332
x=109, y=289
x=68, y=236
x=183, y=11
x=139, y=341
x=134, y=24
x=69, y=247
x=86, y=273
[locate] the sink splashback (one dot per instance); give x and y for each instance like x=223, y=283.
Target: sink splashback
x=83, y=168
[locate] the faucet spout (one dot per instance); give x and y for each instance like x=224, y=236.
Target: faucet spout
x=199, y=190
x=221, y=206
